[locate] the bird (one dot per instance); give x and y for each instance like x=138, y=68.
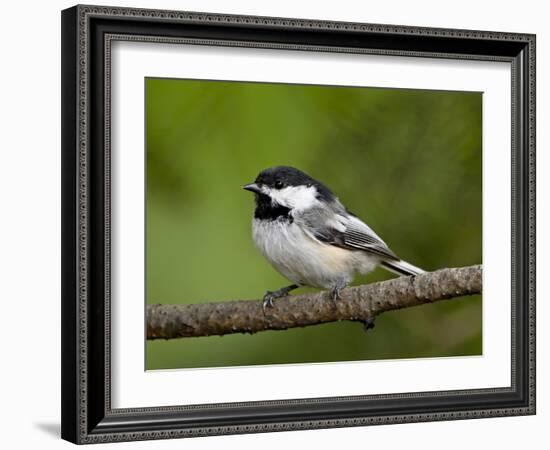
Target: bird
x=307, y=234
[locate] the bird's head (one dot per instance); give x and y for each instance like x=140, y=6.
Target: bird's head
x=287, y=187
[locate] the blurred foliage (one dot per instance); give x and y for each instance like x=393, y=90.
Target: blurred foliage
x=406, y=161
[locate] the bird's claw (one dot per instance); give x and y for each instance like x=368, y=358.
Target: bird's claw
x=336, y=293
x=272, y=295
x=268, y=300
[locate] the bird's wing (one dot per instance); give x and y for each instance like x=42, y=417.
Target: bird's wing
x=359, y=235
x=343, y=229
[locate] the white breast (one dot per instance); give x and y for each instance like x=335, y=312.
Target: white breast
x=303, y=259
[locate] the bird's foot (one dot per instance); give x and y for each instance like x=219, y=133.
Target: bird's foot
x=268, y=300
x=336, y=291
x=272, y=295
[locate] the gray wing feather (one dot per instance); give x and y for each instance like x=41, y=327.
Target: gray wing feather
x=359, y=235
x=337, y=226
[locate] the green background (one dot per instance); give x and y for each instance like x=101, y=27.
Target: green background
x=408, y=162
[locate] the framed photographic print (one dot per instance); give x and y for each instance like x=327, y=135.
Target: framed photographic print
x=260, y=214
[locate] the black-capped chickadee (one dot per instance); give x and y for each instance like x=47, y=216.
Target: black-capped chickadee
x=309, y=237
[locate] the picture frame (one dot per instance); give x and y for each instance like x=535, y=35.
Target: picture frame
x=87, y=365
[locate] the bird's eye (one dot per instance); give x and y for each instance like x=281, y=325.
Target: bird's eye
x=279, y=184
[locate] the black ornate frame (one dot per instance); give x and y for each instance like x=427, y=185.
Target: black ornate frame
x=87, y=33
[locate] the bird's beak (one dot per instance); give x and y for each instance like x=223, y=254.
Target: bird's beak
x=252, y=187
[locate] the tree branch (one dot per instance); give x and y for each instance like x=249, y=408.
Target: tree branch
x=360, y=303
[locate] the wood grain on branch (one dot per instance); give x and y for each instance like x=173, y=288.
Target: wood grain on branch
x=359, y=303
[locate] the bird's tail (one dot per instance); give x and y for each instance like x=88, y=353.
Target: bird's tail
x=401, y=267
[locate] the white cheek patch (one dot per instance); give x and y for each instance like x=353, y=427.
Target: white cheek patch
x=293, y=197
